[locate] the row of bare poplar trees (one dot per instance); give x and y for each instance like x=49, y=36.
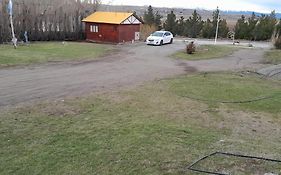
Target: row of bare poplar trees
x=46, y=20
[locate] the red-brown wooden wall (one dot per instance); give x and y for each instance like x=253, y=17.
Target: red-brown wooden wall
x=127, y=32
x=112, y=33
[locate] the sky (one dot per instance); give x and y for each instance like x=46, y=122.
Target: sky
x=263, y=6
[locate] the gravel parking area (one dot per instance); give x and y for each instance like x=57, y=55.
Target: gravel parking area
x=134, y=64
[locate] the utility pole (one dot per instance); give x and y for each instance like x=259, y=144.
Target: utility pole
x=10, y=8
x=217, y=29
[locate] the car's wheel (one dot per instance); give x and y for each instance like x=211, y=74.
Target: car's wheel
x=171, y=41
x=161, y=43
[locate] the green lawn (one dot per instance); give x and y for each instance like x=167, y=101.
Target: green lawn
x=207, y=52
x=273, y=57
x=42, y=52
x=213, y=88
x=152, y=129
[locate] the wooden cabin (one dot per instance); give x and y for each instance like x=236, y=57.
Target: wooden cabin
x=112, y=27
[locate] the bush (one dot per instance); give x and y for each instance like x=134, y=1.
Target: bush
x=146, y=30
x=277, y=43
x=190, y=48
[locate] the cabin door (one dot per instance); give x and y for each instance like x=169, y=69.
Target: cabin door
x=137, y=36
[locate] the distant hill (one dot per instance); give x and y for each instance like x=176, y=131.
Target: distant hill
x=230, y=16
x=278, y=15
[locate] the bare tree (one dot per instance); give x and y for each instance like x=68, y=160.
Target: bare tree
x=46, y=20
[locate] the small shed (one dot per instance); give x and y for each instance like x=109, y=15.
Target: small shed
x=112, y=27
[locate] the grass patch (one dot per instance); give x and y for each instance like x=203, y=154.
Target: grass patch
x=215, y=87
x=99, y=136
x=273, y=57
x=149, y=130
x=207, y=52
x=42, y=52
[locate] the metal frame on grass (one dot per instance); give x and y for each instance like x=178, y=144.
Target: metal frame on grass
x=227, y=154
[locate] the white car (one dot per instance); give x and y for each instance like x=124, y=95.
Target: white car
x=159, y=38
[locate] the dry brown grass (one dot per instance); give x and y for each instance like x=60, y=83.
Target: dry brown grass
x=146, y=30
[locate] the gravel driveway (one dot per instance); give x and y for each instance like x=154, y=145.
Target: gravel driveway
x=133, y=65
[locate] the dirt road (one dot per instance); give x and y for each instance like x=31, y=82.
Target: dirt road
x=133, y=65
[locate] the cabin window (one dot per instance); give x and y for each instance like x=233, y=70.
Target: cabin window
x=94, y=28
